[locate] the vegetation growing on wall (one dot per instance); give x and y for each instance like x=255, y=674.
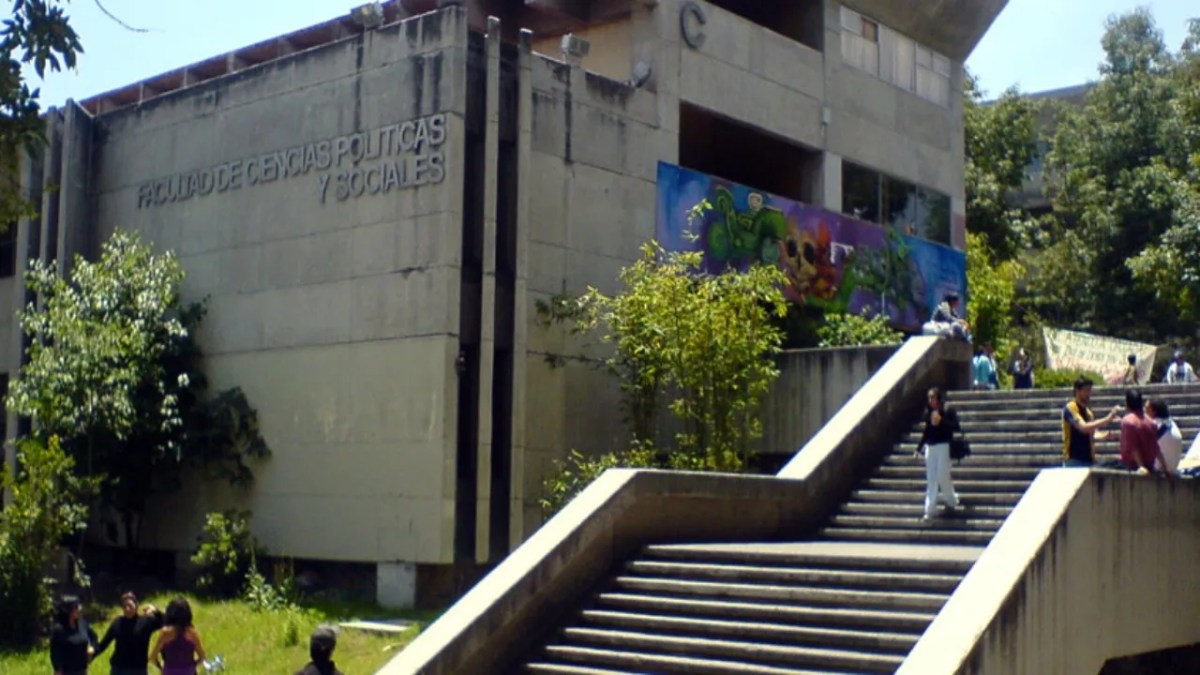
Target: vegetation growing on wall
x=858, y=330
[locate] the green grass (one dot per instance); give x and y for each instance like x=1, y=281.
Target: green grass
x=254, y=642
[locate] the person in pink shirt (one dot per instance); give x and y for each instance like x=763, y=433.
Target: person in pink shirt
x=1139, y=436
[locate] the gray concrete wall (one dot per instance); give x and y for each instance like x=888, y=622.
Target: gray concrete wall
x=594, y=150
x=336, y=312
x=506, y=612
x=813, y=385
x=1090, y=566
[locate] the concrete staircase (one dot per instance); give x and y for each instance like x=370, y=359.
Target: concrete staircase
x=860, y=594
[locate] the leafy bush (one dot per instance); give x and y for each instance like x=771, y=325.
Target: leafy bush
x=574, y=473
x=1044, y=378
x=47, y=506
x=697, y=342
x=226, y=553
x=857, y=330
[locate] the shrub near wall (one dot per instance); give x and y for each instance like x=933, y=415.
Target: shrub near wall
x=1044, y=378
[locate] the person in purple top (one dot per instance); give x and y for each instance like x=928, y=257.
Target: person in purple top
x=178, y=649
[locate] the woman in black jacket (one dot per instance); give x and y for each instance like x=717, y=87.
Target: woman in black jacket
x=132, y=636
x=941, y=423
x=72, y=642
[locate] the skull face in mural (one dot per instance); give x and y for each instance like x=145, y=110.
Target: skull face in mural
x=751, y=236
x=808, y=262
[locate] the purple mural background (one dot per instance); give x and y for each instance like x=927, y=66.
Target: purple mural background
x=832, y=261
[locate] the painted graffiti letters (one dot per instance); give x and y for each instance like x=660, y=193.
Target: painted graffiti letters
x=377, y=161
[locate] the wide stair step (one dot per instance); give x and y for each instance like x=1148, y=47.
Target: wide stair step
x=758, y=608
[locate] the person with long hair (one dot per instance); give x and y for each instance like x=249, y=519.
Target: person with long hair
x=178, y=649
x=941, y=423
x=72, y=641
x=132, y=636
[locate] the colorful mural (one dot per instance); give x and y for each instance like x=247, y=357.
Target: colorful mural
x=832, y=261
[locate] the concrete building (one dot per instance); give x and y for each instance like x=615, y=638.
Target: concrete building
x=374, y=204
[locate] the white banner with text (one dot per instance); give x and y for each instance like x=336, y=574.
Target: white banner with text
x=1069, y=350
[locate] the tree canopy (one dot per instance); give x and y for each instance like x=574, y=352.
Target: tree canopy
x=37, y=35
x=1120, y=252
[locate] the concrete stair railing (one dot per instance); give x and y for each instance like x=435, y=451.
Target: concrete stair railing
x=542, y=585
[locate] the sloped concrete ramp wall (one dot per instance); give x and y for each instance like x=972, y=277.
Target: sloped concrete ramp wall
x=1090, y=566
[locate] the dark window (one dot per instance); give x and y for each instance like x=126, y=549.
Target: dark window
x=802, y=21
x=878, y=198
x=860, y=192
x=8, y=251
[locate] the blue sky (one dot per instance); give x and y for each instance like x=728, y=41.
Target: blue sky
x=1036, y=44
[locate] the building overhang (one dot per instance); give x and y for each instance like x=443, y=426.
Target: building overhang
x=952, y=27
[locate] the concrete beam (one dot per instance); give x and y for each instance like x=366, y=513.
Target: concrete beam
x=952, y=27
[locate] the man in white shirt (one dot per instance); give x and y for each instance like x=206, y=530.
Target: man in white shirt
x=1170, y=439
x=1180, y=371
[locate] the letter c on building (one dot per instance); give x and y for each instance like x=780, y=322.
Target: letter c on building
x=691, y=18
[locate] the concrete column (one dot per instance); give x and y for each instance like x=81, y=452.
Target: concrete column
x=829, y=182
x=521, y=299
x=46, y=238
x=31, y=179
x=487, y=303
x=396, y=585
x=72, y=236
x=958, y=223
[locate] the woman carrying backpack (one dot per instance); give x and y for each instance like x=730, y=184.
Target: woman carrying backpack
x=941, y=423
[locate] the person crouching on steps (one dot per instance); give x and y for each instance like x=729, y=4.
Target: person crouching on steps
x=941, y=423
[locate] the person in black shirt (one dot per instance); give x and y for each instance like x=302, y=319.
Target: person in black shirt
x=941, y=423
x=320, y=649
x=132, y=635
x=72, y=641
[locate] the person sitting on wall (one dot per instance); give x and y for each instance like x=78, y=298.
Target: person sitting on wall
x=946, y=322
x=1170, y=439
x=1139, y=451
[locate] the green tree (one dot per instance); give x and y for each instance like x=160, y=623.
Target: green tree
x=1121, y=161
x=700, y=343
x=46, y=506
x=992, y=288
x=36, y=35
x=113, y=370
x=1001, y=143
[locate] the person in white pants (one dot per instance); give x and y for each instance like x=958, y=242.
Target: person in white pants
x=941, y=423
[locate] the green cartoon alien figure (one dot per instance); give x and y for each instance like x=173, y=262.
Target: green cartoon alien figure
x=752, y=236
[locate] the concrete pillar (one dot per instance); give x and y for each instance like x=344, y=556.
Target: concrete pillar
x=829, y=182
x=521, y=299
x=487, y=301
x=396, y=585
x=31, y=178
x=958, y=223
x=74, y=216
